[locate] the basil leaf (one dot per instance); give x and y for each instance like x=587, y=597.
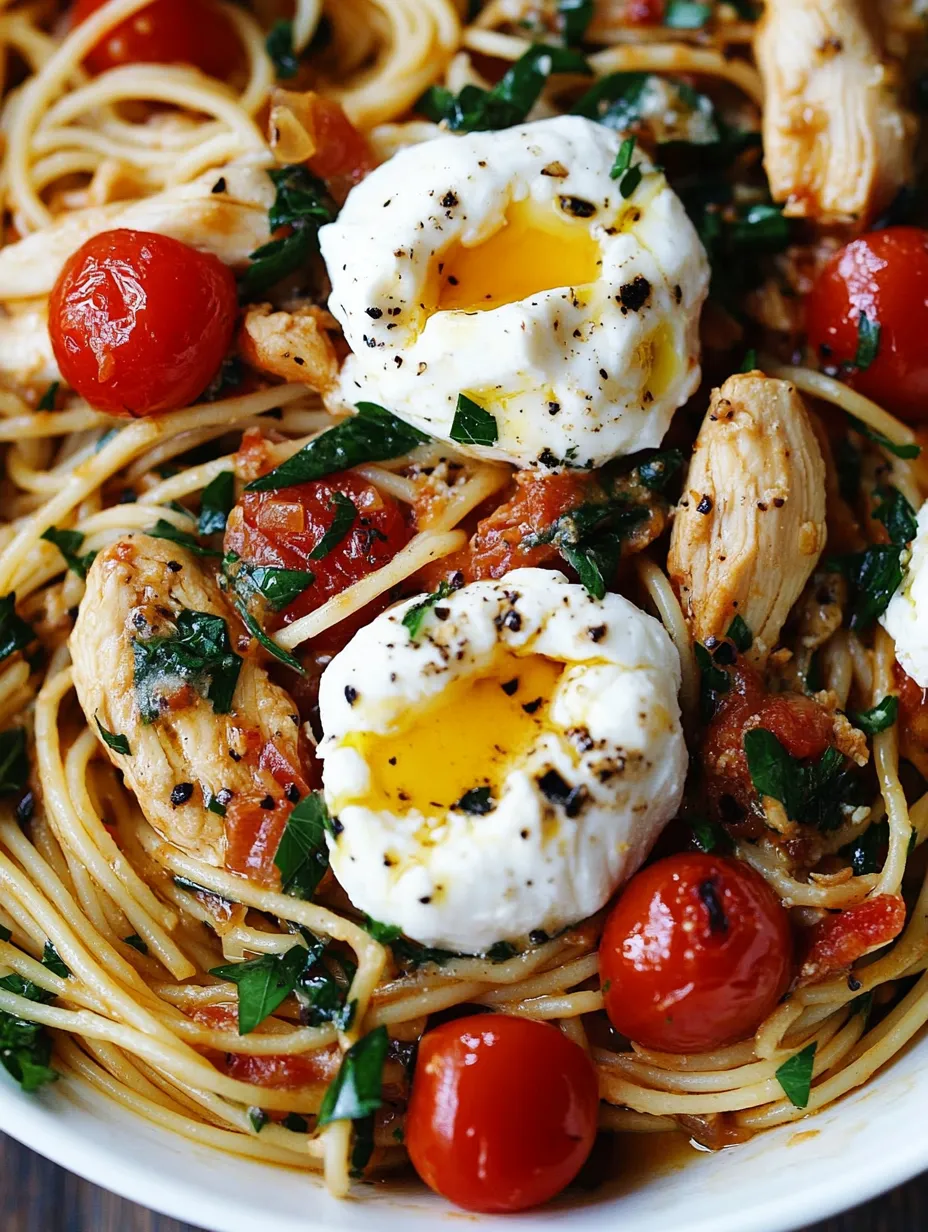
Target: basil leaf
x=15, y=633
x=414, y=616
x=591, y=537
x=295, y=1123
x=119, y=744
x=279, y=46
x=373, y=435
x=812, y=793
x=477, y=802
x=761, y=225
x=686, y=14
x=879, y=717
x=614, y=100
x=411, y=955
x=26, y=1047
x=623, y=160
x=136, y=942
x=303, y=203
x=899, y=451
x=657, y=468
x=868, y=342
x=302, y=855
x=167, y=530
x=712, y=681
x=362, y=1148
x=740, y=634
x=345, y=513
x=197, y=654
x=710, y=836
x=53, y=961
x=216, y=501
x=510, y=100
x=268, y=643
x=258, y=1118
x=795, y=1076
x=575, y=16
x=68, y=543
x=501, y=951
x=868, y=850
x=749, y=363
x=384, y=933
x=263, y=984
x=356, y=1089
x=5, y=933
x=47, y=401
x=630, y=181
x=897, y=515
x=323, y=988
x=875, y=576
x=14, y=761
x=278, y=587
x=472, y=425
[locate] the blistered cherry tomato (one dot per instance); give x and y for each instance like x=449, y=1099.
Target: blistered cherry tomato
x=140, y=322
x=193, y=32
x=502, y=1113
x=883, y=275
x=284, y=527
x=696, y=953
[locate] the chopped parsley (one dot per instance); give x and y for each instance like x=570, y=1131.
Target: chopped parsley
x=356, y=1091
x=740, y=634
x=279, y=46
x=302, y=856
x=47, y=401
x=263, y=984
x=278, y=587
x=868, y=342
x=322, y=990
x=623, y=160
x=345, y=514
x=284, y=656
x=216, y=502
x=876, y=573
x=119, y=744
x=69, y=544
x=905, y=450
x=879, y=717
x=575, y=16
x=54, y=962
x=591, y=537
x=14, y=761
x=167, y=530
x=304, y=205
x=472, y=425
x=810, y=793
x=386, y=934
x=26, y=1047
x=710, y=836
x=15, y=633
x=197, y=654
x=414, y=616
x=795, y=1076
x=868, y=850
x=897, y=515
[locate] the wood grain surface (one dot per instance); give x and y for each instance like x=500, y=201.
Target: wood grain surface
x=36, y=1196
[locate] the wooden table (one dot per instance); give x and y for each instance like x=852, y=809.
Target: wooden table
x=36, y=1196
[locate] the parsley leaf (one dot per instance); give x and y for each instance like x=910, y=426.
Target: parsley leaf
x=740, y=634
x=509, y=101
x=345, y=513
x=472, y=425
x=898, y=450
x=623, y=160
x=590, y=538
x=198, y=654
x=25, y=1047
x=47, y=401
x=749, y=363
x=897, y=515
x=710, y=836
x=811, y=793
x=268, y=643
x=575, y=16
x=302, y=856
x=657, y=468
x=278, y=587
x=15, y=633
x=795, y=1076
x=874, y=575
x=119, y=744
x=356, y=1089
x=54, y=962
x=279, y=45
x=302, y=203
x=868, y=342
x=868, y=850
x=373, y=435
x=14, y=762
x=323, y=988
x=384, y=933
x=163, y=529
x=477, y=802
x=136, y=942
x=879, y=717
x=414, y=616
x=216, y=501
x=69, y=543
x=263, y=984
x=712, y=680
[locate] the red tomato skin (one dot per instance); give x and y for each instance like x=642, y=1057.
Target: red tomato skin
x=502, y=1113
x=885, y=275
x=140, y=322
x=192, y=32
x=840, y=938
x=679, y=976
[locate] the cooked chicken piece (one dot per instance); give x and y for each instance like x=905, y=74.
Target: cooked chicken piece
x=750, y=525
x=152, y=664
x=291, y=345
x=837, y=141
x=222, y=212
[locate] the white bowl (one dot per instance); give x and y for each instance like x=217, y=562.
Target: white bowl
x=792, y=1176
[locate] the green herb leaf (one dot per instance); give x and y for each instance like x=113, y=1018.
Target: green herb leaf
x=5, y=933
x=477, y=801
x=302, y=855
x=414, y=616
x=14, y=761
x=712, y=680
x=198, y=654
x=167, y=530
x=761, y=225
x=373, y=435
x=384, y=933
x=279, y=45
x=749, y=363
x=119, y=744
x=258, y=1116
x=136, y=942
x=575, y=16
x=472, y=425
x=623, y=160
x=345, y=513
x=657, y=468
x=811, y=793
x=879, y=717
x=411, y=955
x=740, y=634
x=47, y=401
x=278, y=587
x=302, y=203
x=216, y=501
x=510, y=100
x=268, y=643
x=69, y=543
x=26, y=1047
x=362, y=1148
x=710, y=836
x=501, y=951
x=356, y=1089
x=323, y=988
x=591, y=538
x=615, y=100
x=53, y=961
x=295, y=1123
x=868, y=342
x=868, y=850
x=263, y=984
x=15, y=634
x=874, y=575
x=897, y=515
x=686, y=14
x=899, y=451
x=795, y=1076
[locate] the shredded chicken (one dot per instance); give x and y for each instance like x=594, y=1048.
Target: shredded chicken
x=291, y=345
x=187, y=754
x=750, y=525
x=837, y=141
x=223, y=212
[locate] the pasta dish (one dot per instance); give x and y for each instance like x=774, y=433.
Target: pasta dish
x=463, y=572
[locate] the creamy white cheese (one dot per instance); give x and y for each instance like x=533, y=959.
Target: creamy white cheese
x=906, y=617
x=569, y=789
x=579, y=333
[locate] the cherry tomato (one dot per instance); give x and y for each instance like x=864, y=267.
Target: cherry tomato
x=695, y=954
x=502, y=1113
x=283, y=527
x=140, y=322
x=193, y=32
x=883, y=275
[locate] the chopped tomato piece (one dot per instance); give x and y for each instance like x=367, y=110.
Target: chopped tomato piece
x=194, y=32
x=300, y=1070
x=343, y=155
x=839, y=940
x=255, y=823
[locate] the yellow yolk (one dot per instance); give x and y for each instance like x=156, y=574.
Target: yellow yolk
x=659, y=362
x=465, y=741
x=535, y=250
